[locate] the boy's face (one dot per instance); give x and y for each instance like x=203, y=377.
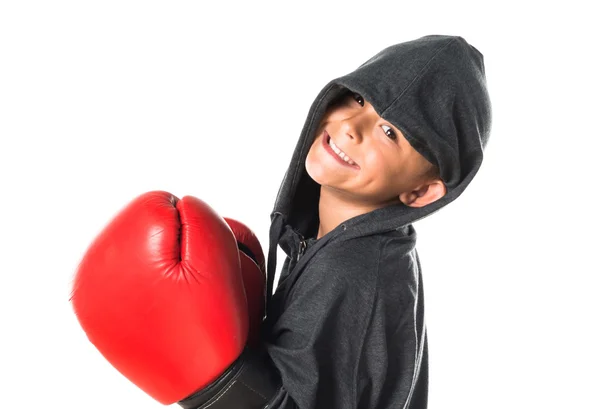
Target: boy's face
x=379, y=165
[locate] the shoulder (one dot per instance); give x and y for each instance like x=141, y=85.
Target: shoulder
x=361, y=262
x=385, y=264
x=350, y=261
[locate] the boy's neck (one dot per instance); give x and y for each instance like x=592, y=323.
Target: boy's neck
x=335, y=208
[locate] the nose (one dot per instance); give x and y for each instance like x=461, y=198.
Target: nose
x=357, y=124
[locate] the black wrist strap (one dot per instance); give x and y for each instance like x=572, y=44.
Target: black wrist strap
x=249, y=383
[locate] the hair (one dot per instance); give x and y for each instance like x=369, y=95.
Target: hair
x=432, y=172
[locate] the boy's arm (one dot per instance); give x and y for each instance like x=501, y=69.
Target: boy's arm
x=330, y=348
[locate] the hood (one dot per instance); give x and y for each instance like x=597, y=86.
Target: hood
x=434, y=90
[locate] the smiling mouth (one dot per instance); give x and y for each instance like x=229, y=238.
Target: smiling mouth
x=335, y=151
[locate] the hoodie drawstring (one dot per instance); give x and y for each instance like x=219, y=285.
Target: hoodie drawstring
x=274, y=234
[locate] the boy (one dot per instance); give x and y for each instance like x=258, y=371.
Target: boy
x=382, y=147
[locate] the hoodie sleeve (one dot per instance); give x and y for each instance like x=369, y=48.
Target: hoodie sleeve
x=319, y=342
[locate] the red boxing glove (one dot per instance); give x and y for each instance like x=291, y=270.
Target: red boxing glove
x=160, y=294
x=254, y=276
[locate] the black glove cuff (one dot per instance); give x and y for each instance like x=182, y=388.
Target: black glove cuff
x=249, y=383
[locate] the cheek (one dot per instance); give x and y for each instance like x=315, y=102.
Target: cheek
x=311, y=163
x=314, y=146
x=379, y=174
x=380, y=161
x=390, y=169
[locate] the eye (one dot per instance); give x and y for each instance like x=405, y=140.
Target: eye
x=358, y=98
x=389, y=132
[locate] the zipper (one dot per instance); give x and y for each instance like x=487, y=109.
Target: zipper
x=301, y=248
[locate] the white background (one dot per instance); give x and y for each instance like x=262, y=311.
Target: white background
x=102, y=101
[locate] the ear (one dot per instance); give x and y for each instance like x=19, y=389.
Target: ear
x=425, y=194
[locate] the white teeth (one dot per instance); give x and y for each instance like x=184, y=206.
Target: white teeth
x=340, y=153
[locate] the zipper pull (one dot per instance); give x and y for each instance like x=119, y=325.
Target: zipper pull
x=301, y=249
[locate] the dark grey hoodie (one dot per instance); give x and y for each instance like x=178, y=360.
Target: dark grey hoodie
x=345, y=327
